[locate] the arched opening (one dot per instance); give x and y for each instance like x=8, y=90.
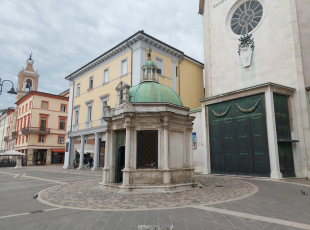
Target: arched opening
x=28, y=84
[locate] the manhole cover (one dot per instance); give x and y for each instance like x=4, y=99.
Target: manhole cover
x=37, y=211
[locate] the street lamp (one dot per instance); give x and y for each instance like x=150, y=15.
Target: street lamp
x=11, y=91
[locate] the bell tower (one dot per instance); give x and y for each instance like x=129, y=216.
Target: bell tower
x=27, y=79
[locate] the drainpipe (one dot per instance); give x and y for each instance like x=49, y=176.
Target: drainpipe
x=130, y=61
x=179, y=74
x=29, y=127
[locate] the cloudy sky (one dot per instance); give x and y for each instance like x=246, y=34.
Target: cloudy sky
x=65, y=35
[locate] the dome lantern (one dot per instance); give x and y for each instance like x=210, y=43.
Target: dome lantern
x=149, y=70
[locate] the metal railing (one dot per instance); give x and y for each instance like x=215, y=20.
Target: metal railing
x=41, y=130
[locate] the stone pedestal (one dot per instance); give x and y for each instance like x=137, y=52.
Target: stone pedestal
x=18, y=163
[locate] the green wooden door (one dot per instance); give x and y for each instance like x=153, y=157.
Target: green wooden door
x=238, y=137
x=120, y=142
x=286, y=159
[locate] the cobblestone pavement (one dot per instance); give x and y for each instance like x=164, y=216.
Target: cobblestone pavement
x=89, y=195
x=58, y=168
x=276, y=205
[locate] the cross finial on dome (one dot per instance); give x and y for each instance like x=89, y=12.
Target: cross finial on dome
x=30, y=57
x=149, y=53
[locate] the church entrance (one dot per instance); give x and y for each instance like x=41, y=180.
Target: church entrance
x=238, y=137
x=120, y=155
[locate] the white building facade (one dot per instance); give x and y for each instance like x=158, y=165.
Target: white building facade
x=256, y=106
x=3, y=130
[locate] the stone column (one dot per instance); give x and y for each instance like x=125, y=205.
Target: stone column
x=69, y=154
x=206, y=151
x=81, y=165
x=106, y=168
x=126, y=170
x=167, y=174
x=272, y=136
x=30, y=157
x=49, y=157
x=68, y=161
x=190, y=145
x=96, y=154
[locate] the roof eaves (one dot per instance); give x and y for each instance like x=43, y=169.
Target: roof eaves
x=134, y=38
x=194, y=60
x=104, y=54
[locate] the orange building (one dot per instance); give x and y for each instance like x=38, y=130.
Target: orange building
x=41, y=127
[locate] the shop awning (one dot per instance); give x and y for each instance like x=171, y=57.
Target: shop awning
x=58, y=150
x=12, y=153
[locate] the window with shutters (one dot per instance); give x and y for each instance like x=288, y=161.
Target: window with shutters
x=90, y=83
x=60, y=140
x=63, y=108
x=76, y=117
x=43, y=124
x=89, y=112
x=62, y=123
x=41, y=138
x=105, y=76
x=123, y=67
x=44, y=105
x=159, y=64
x=78, y=88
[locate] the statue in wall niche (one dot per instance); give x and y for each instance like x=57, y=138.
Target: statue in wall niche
x=245, y=49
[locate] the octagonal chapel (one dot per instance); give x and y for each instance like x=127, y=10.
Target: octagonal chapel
x=148, y=137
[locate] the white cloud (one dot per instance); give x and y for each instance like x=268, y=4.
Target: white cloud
x=65, y=35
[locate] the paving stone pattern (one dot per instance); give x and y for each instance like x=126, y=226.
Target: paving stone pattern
x=89, y=195
x=275, y=200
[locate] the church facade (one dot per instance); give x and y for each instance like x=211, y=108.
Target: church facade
x=255, y=113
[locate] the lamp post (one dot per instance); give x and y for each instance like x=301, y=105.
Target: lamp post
x=11, y=91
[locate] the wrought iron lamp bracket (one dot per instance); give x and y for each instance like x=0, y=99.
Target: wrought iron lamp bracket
x=11, y=91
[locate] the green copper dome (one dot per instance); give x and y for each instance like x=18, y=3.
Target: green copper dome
x=149, y=92
x=149, y=63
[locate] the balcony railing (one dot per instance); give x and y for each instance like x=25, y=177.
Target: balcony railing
x=41, y=130
x=14, y=134
x=6, y=139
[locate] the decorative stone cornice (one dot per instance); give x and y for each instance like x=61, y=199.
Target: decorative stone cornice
x=29, y=73
x=89, y=102
x=104, y=96
x=99, y=129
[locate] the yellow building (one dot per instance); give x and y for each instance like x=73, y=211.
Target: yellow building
x=93, y=86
